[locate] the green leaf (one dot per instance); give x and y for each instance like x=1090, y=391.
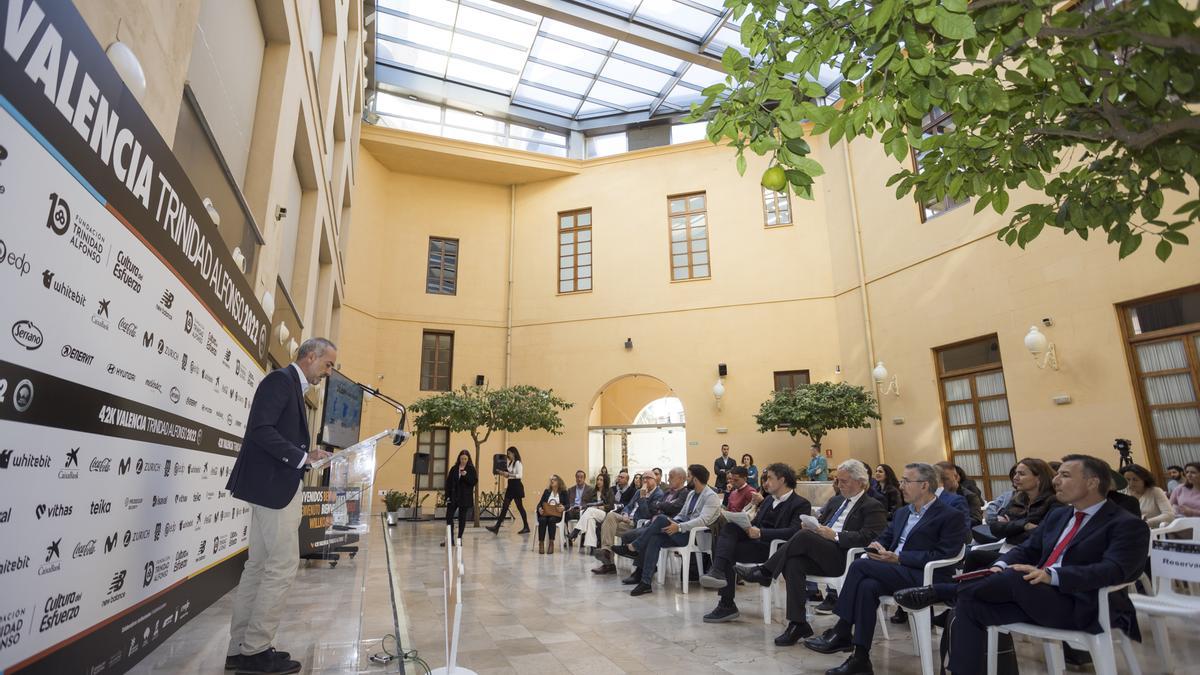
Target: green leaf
x=1163, y=250
x=1175, y=237
x=1040, y=66
x=1000, y=201
x=1129, y=244
x=1033, y=22
x=953, y=26
x=809, y=166
x=741, y=165
x=791, y=129
x=798, y=146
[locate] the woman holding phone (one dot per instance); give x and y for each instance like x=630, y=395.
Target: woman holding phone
x=461, y=480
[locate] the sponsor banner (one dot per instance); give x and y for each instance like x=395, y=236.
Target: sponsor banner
x=130, y=348
x=323, y=521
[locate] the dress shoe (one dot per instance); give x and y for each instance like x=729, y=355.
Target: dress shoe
x=641, y=589
x=607, y=568
x=494, y=529
x=900, y=616
x=711, y=580
x=233, y=661
x=829, y=642
x=855, y=665
x=827, y=605
x=753, y=573
x=915, y=599
x=635, y=578
x=795, y=632
x=571, y=536
x=523, y=530
x=625, y=552
x=722, y=614
x=269, y=662
x=1076, y=657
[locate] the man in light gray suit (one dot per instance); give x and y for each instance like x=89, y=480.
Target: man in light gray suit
x=700, y=510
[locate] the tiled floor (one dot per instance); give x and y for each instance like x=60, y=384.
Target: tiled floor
x=528, y=613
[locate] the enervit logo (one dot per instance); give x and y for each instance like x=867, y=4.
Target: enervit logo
x=59, y=609
x=59, y=218
x=23, y=395
x=19, y=263
x=26, y=334
x=76, y=354
x=128, y=272
x=52, y=510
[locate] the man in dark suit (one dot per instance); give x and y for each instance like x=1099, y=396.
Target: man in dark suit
x=578, y=497
x=623, y=491
x=925, y=530
x=274, y=456
x=721, y=468
x=850, y=519
x=778, y=517
x=1051, y=579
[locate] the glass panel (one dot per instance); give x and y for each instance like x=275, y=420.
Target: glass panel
x=566, y=261
x=439, y=465
x=679, y=235
x=999, y=487
x=608, y=144
x=566, y=249
x=993, y=410
x=678, y=223
x=487, y=23
x=957, y=390
x=487, y=52
x=686, y=133
x=585, y=247
x=1169, y=312
x=1156, y=356
x=585, y=235
x=474, y=136
x=1000, y=462
x=679, y=247
x=963, y=439
x=699, y=232
x=474, y=122
x=585, y=284
x=701, y=76
x=441, y=11
x=387, y=103
x=574, y=34
x=585, y=271
x=679, y=260
x=700, y=258
x=411, y=57
x=686, y=19
x=542, y=98
x=978, y=353
x=999, y=436
x=696, y=202
x=1178, y=453
x=584, y=218
x=679, y=273
x=1176, y=423
x=585, y=259
x=678, y=205
x=969, y=461
x=700, y=245
x=603, y=92
x=700, y=270
x=565, y=222
x=991, y=384
x=960, y=414
x=1176, y=388
x=566, y=237
x=553, y=51
x=696, y=220
x=566, y=274
x=564, y=287
x=421, y=34
x=623, y=71
x=642, y=54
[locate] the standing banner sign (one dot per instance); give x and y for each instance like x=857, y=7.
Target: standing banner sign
x=130, y=348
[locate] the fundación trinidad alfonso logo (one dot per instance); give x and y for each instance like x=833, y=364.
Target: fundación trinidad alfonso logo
x=59, y=218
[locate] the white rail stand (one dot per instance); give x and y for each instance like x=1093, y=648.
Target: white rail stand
x=452, y=600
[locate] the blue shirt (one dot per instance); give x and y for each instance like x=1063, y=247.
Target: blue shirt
x=752, y=479
x=914, y=517
x=818, y=468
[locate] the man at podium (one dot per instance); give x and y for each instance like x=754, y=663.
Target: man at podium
x=275, y=454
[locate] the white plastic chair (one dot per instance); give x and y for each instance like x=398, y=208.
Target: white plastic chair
x=835, y=583
x=920, y=623
x=770, y=594
x=1099, y=646
x=699, y=543
x=1166, y=601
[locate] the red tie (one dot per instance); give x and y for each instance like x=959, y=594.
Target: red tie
x=1062, y=545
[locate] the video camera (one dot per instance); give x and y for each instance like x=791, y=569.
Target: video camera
x=1123, y=447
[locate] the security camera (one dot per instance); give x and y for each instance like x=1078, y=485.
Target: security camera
x=400, y=437
x=1047, y=322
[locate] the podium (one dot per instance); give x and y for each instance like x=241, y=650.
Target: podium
x=336, y=517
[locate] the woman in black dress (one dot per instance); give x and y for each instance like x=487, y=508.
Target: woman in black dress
x=460, y=491
x=554, y=497
x=515, y=492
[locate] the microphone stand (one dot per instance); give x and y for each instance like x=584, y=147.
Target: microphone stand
x=399, y=431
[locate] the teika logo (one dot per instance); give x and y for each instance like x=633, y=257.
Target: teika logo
x=100, y=506
x=52, y=511
x=59, y=218
x=26, y=334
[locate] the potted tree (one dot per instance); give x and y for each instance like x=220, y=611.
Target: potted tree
x=816, y=409
x=439, y=509
x=392, y=500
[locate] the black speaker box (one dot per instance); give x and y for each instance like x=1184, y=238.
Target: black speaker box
x=420, y=463
x=499, y=463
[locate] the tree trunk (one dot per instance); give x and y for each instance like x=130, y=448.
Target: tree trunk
x=479, y=474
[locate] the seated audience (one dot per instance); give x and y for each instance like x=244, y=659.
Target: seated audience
x=889, y=485
x=595, y=510
x=1051, y=579
x=700, y=509
x=579, y=497
x=1174, y=477
x=1154, y=504
x=967, y=483
x=952, y=483
x=994, y=508
x=927, y=529
x=549, y=511
x=618, y=523
x=1032, y=501
x=751, y=470
x=738, y=494
x=778, y=517
x=623, y=491
x=849, y=519
x=1186, y=498
x=637, y=481
x=658, y=475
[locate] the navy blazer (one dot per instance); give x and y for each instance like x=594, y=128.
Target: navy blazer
x=1109, y=550
x=959, y=502
x=780, y=522
x=271, y=462
x=938, y=535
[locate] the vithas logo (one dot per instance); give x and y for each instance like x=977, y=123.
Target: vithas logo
x=59, y=218
x=52, y=511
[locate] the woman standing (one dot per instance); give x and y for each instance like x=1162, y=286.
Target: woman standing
x=550, y=511
x=889, y=485
x=460, y=491
x=1186, y=497
x=751, y=470
x=1156, y=508
x=515, y=492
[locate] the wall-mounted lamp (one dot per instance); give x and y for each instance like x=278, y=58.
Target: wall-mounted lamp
x=128, y=67
x=628, y=343
x=880, y=374
x=292, y=347
x=212, y=210
x=268, y=303
x=719, y=392
x=1042, y=349
x=239, y=258
x=282, y=333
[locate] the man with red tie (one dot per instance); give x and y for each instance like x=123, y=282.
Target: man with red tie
x=1051, y=579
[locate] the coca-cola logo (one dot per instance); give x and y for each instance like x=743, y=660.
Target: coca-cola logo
x=84, y=548
x=26, y=334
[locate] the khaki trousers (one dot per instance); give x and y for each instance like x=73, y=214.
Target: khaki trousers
x=274, y=559
x=611, y=528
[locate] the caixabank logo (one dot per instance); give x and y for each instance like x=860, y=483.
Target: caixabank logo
x=70, y=468
x=100, y=318
x=53, y=561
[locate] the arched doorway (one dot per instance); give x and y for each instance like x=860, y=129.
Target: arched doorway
x=637, y=422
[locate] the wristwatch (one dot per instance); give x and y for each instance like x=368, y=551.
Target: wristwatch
x=835, y=537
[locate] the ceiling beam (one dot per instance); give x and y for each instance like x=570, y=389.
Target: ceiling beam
x=660, y=41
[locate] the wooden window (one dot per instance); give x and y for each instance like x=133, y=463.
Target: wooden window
x=441, y=275
x=975, y=412
x=575, y=251
x=777, y=208
x=935, y=123
x=437, y=358
x=1163, y=334
x=688, y=217
x=435, y=442
x=790, y=379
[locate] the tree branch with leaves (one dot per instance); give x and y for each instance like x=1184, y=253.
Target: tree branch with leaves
x=1094, y=109
x=816, y=409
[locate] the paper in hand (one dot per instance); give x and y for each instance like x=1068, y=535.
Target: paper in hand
x=808, y=522
x=738, y=518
